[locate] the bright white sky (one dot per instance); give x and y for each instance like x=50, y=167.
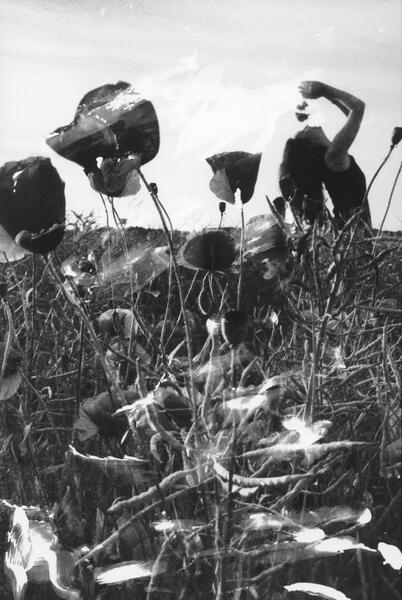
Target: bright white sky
x=222, y=74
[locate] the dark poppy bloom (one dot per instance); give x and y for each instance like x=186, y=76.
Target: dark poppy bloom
x=112, y=121
x=235, y=326
x=234, y=171
x=211, y=251
x=32, y=204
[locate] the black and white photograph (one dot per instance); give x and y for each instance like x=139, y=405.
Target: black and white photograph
x=200, y=299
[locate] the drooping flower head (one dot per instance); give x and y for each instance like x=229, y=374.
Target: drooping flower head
x=234, y=171
x=110, y=121
x=32, y=204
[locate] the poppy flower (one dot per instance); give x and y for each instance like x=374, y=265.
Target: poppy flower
x=32, y=204
x=117, y=177
x=111, y=121
x=212, y=250
x=234, y=171
x=235, y=326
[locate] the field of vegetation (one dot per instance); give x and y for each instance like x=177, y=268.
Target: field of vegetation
x=203, y=427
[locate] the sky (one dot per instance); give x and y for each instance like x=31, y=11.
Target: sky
x=222, y=74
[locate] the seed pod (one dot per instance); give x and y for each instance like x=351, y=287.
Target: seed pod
x=154, y=188
x=222, y=207
x=235, y=325
x=396, y=136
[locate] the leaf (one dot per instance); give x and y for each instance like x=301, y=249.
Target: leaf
x=9, y=385
x=20, y=548
x=316, y=589
x=122, y=572
x=391, y=554
x=129, y=467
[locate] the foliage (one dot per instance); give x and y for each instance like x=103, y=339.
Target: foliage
x=230, y=470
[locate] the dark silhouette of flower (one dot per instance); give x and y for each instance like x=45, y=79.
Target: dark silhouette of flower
x=235, y=326
x=234, y=171
x=111, y=121
x=32, y=204
x=212, y=250
x=396, y=136
x=302, y=116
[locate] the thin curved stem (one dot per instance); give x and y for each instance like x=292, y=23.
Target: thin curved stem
x=388, y=204
x=163, y=216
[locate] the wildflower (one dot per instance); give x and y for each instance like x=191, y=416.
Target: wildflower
x=32, y=204
x=234, y=171
x=212, y=250
x=110, y=121
x=116, y=177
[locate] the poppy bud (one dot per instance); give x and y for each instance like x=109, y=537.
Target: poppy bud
x=154, y=188
x=222, y=207
x=396, y=136
x=234, y=327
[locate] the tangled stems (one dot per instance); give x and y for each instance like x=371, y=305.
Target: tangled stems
x=163, y=216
